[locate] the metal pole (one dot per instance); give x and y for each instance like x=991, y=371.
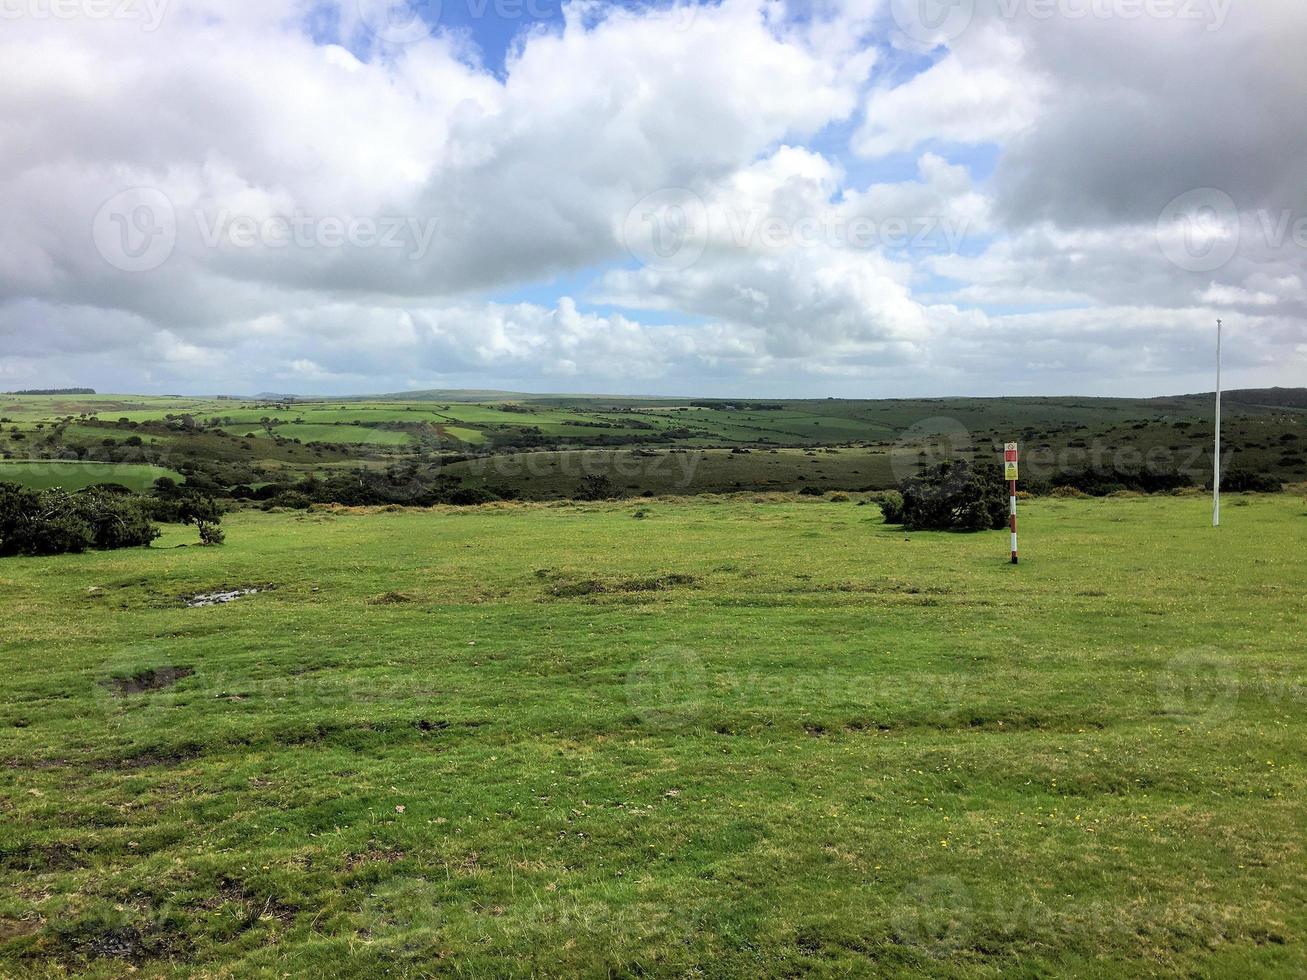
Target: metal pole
x=1216, y=459
x=1012, y=500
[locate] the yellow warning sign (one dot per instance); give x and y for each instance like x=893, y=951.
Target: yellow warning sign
x=1009, y=471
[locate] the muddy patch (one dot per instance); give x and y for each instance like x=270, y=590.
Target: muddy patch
x=145, y=681
x=150, y=759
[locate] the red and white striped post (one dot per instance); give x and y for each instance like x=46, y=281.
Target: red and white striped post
x=1010, y=474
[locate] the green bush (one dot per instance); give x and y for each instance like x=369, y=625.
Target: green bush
x=1245, y=481
x=891, y=505
x=54, y=522
x=953, y=496
x=596, y=488
x=290, y=499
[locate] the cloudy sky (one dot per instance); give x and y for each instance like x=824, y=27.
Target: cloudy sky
x=856, y=198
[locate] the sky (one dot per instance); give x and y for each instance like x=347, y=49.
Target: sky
x=775, y=198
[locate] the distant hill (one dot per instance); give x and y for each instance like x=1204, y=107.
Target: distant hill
x=1278, y=397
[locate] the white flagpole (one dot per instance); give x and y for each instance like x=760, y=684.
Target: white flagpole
x=1216, y=465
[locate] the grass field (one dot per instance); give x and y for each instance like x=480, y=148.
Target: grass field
x=309, y=432
x=790, y=445
x=708, y=737
x=42, y=474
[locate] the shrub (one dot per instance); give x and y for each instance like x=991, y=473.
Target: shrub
x=596, y=488
x=471, y=496
x=211, y=534
x=53, y=522
x=1246, y=481
x=116, y=519
x=290, y=499
x=891, y=506
x=189, y=507
x=954, y=496
x=1103, y=482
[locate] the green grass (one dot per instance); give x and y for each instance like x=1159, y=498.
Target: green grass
x=72, y=475
x=726, y=738
x=359, y=434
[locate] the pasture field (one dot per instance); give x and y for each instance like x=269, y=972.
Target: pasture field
x=354, y=434
x=43, y=474
x=721, y=737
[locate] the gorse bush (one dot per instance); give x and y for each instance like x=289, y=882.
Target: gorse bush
x=53, y=522
x=1103, y=481
x=1244, y=481
x=952, y=496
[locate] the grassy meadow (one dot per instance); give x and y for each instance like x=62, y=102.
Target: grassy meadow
x=717, y=737
x=76, y=474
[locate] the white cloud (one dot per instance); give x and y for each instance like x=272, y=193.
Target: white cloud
x=520, y=182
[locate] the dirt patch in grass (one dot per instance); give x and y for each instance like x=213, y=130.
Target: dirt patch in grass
x=115, y=942
x=11, y=929
x=149, y=760
x=145, y=681
x=593, y=586
x=44, y=858
x=376, y=856
x=391, y=599
x=97, y=939
x=888, y=588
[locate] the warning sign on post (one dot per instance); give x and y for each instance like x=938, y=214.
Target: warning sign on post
x=1010, y=461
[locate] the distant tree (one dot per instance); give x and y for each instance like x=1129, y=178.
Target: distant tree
x=205, y=514
x=596, y=488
